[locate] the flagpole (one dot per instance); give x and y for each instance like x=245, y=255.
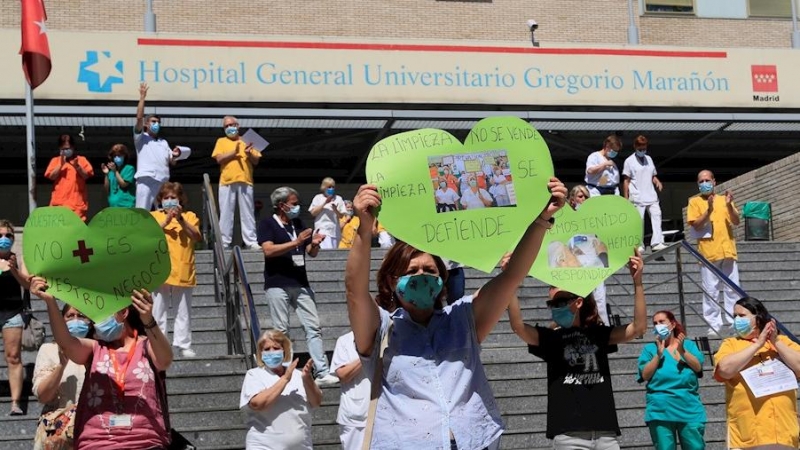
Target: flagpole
x=31, y=150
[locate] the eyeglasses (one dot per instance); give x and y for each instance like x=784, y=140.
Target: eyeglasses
x=8, y=235
x=234, y=124
x=560, y=302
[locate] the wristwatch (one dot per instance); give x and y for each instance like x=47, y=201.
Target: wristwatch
x=546, y=224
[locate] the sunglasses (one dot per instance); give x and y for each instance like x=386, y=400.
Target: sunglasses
x=8, y=235
x=560, y=302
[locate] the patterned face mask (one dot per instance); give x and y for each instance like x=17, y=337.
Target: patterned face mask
x=419, y=290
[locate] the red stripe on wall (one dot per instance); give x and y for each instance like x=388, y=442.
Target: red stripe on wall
x=432, y=48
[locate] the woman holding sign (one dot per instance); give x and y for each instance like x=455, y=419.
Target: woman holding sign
x=412, y=347
x=760, y=370
x=580, y=399
x=671, y=367
x=120, y=406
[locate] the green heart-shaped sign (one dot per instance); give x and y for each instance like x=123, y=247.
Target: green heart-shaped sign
x=95, y=267
x=465, y=202
x=586, y=246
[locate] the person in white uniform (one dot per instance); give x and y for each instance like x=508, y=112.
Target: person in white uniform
x=153, y=155
x=277, y=397
x=446, y=197
x=475, y=197
x=355, y=395
x=602, y=174
x=640, y=185
x=327, y=208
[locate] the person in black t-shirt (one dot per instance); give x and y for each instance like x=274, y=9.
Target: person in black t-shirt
x=286, y=242
x=580, y=399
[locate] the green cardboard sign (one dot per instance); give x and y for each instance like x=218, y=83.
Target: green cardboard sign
x=95, y=267
x=506, y=159
x=586, y=246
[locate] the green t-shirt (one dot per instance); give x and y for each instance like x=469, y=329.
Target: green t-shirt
x=672, y=392
x=118, y=196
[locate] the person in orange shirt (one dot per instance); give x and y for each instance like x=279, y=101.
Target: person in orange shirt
x=69, y=172
x=182, y=230
x=768, y=421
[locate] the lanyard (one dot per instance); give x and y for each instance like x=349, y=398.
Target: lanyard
x=119, y=375
x=293, y=234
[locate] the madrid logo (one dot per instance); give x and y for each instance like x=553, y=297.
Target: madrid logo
x=765, y=82
x=100, y=71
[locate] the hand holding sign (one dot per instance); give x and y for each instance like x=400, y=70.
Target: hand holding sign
x=96, y=267
x=587, y=246
x=466, y=202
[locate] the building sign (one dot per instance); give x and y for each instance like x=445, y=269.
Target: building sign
x=109, y=66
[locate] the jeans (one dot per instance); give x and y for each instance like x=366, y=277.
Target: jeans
x=586, y=440
x=301, y=299
x=14, y=322
x=663, y=434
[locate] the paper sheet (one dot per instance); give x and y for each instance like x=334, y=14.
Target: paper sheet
x=185, y=153
x=769, y=377
x=258, y=142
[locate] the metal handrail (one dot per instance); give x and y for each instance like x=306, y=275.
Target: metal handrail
x=246, y=306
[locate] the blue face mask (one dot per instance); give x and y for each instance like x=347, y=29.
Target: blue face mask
x=706, y=187
x=419, y=290
x=330, y=191
x=109, y=330
x=612, y=154
x=78, y=328
x=293, y=212
x=272, y=358
x=119, y=161
x=169, y=203
x=742, y=326
x=641, y=153
x=661, y=330
x=563, y=317
x=67, y=152
x=155, y=127
x=231, y=131
x=6, y=243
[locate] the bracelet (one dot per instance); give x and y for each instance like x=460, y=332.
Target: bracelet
x=151, y=325
x=546, y=224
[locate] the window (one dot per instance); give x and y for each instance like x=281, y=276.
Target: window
x=670, y=6
x=770, y=8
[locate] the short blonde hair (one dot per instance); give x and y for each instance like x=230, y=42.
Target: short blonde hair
x=573, y=193
x=326, y=182
x=278, y=338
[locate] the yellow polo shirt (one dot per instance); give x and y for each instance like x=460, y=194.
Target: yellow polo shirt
x=721, y=245
x=349, y=231
x=181, y=249
x=238, y=169
x=758, y=421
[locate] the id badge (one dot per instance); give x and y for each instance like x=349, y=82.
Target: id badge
x=299, y=260
x=120, y=420
x=766, y=369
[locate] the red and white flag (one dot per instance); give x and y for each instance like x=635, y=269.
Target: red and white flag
x=35, y=49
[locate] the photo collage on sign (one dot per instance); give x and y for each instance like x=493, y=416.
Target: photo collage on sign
x=472, y=181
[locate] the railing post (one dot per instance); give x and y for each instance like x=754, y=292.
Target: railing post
x=681, y=300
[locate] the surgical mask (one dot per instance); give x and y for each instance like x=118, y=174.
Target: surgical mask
x=67, y=152
x=641, y=153
x=563, y=317
x=442, y=185
x=330, y=191
x=78, y=328
x=109, y=330
x=119, y=161
x=155, y=127
x=473, y=183
x=661, y=330
x=612, y=154
x=419, y=290
x=706, y=187
x=272, y=358
x=231, y=131
x=6, y=243
x=350, y=212
x=169, y=203
x=293, y=212
x=743, y=326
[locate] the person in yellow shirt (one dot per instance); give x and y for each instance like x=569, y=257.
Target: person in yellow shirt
x=182, y=230
x=349, y=224
x=711, y=219
x=769, y=421
x=236, y=160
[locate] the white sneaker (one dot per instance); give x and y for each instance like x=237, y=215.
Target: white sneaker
x=658, y=247
x=715, y=334
x=327, y=380
x=188, y=353
x=253, y=247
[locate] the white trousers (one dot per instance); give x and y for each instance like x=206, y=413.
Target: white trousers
x=162, y=301
x=329, y=243
x=228, y=193
x=385, y=240
x=600, y=298
x=713, y=286
x=146, y=191
x=352, y=437
x=655, y=221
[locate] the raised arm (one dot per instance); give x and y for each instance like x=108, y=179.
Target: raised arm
x=140, y=108
x=158, y=347
x=267, y=397
x=47, y=376
x=730, y=365
x=361, y=308
x=313, y=392
x=654, y=363
x=77, y=350
x=254, y=156
x=733, y=213
x=629, y=332
x=789, y=353
x=489, y=303
x=525, y=332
